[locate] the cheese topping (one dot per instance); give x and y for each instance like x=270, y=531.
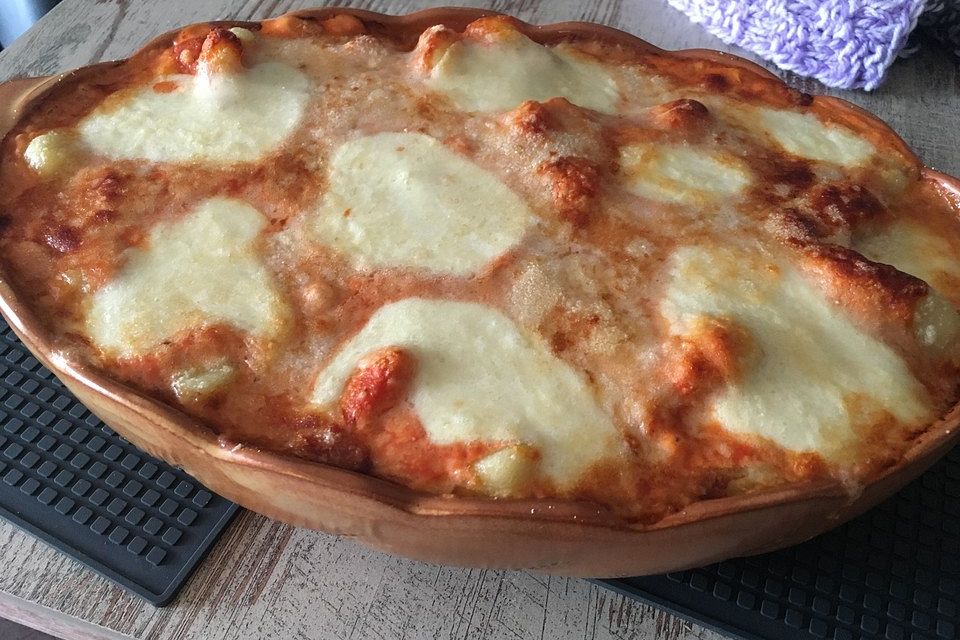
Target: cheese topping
x=805, y=135
x=913, y=249
x=499, y=74
x=51, y=152
x=507, y=471
x=405, y=200
x=680, y=174
x=574, y=270
x=219, y=118
x=197, y=382
x=197, y=270
x=814, y=378
x=246, y=36
x=936, y=325
x=479, y=378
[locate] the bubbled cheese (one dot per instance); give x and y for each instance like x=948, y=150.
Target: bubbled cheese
x=197, y=270
x=406, y=200
x=50, y=153
x=936, y=325
x=498, y=75
x=813, y=378
x=222, y=118
x=680, y=174
x=200, y=381
x=480, y=378
x=805, y=135
x=507, y=471
x=913, y=249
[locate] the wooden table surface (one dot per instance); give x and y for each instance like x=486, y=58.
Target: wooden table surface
x=269, y=580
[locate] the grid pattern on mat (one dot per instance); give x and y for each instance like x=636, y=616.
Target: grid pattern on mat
x=893, y=573
x=69, y=479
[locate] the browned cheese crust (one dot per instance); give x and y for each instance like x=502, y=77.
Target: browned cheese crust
x=615, y=192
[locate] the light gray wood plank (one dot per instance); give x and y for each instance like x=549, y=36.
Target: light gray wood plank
x=268, y=580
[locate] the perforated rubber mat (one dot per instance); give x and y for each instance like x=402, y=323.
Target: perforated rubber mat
x=893, y=573
x=68, y=479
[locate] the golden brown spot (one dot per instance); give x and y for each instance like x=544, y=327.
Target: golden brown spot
x=431, y=46
x=377, y=385
x=531, y=117
x=713, y=353
x=682, y=116
x=321, y=440
x=166, y=86
x=187, y=52
x=133, y=236
x=864, y=286
x=843, y=204
x=559, y=342
x=574, y=182
x=790, y=225
x=62, y=238
x=829, y=212
x=491, y=26
x=105, y=215
x=461, y=144
x=109, y=187
x=221, y=53
x=807, y=465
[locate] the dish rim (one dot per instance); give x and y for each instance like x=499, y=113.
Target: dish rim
x=18, y=95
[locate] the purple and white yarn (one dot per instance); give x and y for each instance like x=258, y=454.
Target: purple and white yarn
x=848, y=44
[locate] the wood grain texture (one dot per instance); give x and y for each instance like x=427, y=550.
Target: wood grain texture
x=268, y=580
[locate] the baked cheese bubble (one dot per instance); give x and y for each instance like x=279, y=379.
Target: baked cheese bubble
x=681, y=174
x=809, y=379
x=480, y=378
x=200, y=269
x=209, y=118
x=406, y=200
x=499, y=73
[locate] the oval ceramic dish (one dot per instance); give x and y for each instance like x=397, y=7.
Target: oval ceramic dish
x=547, y=535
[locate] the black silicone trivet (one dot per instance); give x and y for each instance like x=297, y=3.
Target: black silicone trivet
x=68, y=479
x=892, y=573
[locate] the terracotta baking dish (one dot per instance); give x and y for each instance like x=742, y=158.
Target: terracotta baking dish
x=553, y=536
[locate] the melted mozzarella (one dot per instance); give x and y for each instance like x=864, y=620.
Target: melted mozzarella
x=479, y=378
x=197, y=270
x=197, y=382
x=498, y=75
x=245, y=35
x=222, y=118
x=507, y=471
x=913, y=249
x=405, y=200
x=814, y=378
x=680, y=174
x=803, y=134
x=936, y=325
x=51, y=152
